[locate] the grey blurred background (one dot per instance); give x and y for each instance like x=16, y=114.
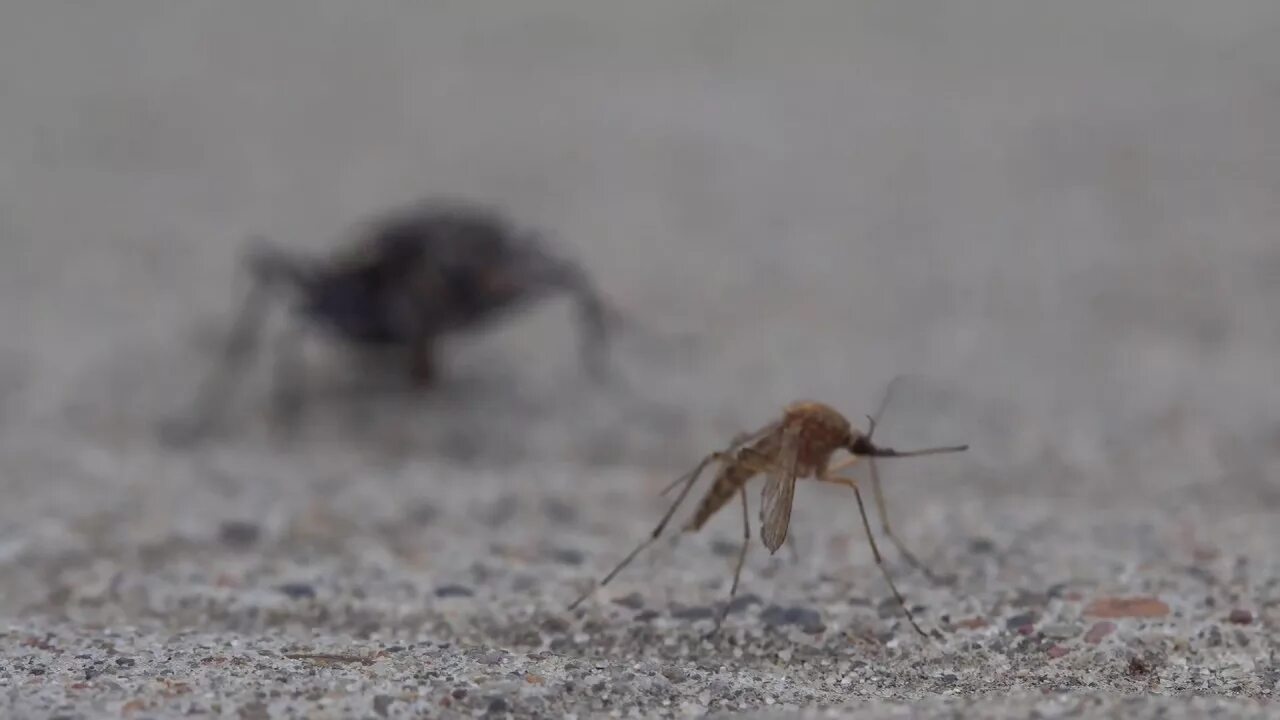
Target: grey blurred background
x=1064, y=215
x=1066, y=212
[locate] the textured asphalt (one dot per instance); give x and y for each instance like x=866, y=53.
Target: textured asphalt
x=1061, y=218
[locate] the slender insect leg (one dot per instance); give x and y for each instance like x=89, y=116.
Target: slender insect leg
x=878, y=491
x=742, y=559
x=688, y=479
x=875, y=551
x=888, y=531
x=214, y=392
x=423, y=367
x=287, y=396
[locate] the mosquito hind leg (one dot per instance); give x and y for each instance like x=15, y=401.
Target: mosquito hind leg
x=875, y=550
x=687, y=480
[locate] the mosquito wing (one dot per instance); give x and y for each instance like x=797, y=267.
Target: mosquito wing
x=779, y=490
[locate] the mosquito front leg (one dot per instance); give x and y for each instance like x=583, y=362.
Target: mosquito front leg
x=875, y=551
x=214, y=393
x=288, y=392
x=878, y=492
x=888, y=531
x=742, y=559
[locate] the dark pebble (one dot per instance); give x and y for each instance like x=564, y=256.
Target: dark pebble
x=497, y=705
x=555, y=625
x=1029, y=599
x=646, y=615
x=634, y=601
x=804, y=618
x=450, y=591
x=500, y=511
x=126, y=662
x=1240, y=616
x=524, y=583
x=724, y=548
x=559, y=511
x=382, y=704
x=459, y=693
x=238, y=533
x=742, y=602
x=422, y=513
x=1099, y=631
x=674, y=674
x=888, y=608
x=1215, y=637
x=693, y=613
x=298, y=591
x=981, y=545
x=1017, y=622
x=568, y=556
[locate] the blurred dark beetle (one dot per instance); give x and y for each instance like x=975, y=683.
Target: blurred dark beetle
x=409, y=279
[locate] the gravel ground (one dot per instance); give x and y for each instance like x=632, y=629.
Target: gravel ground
x=1061, y=217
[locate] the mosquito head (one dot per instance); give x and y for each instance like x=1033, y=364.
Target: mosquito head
x=861, y=445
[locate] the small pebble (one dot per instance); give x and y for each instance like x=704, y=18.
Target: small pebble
x=422, y=513
x=297, y=591
x=240, y=534
x=693, y=613
x=1240, y=616
x=742, y=602
x=804, y=618
x=555, y=625
x=1136, y=607
x=724, y=548
x=568, y=556
x=646, y=615
x=1022, y=620
x=674, y=674
x=559, y=511
x=382, y=704
x=450, y=591
x=634, y=601
x=1061, y=631
x=1099, y=631
x=981, y=545
x=1057, y=651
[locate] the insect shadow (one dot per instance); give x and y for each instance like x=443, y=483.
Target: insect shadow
x=409, y=279
x=799, y=445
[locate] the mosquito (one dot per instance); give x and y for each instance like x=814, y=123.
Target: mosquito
x=408, y=279
x=799, y=445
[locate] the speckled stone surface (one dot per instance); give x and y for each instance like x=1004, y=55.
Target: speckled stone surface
x=1062, y=218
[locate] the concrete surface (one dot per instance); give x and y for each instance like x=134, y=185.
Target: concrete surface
x=1062, y=216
